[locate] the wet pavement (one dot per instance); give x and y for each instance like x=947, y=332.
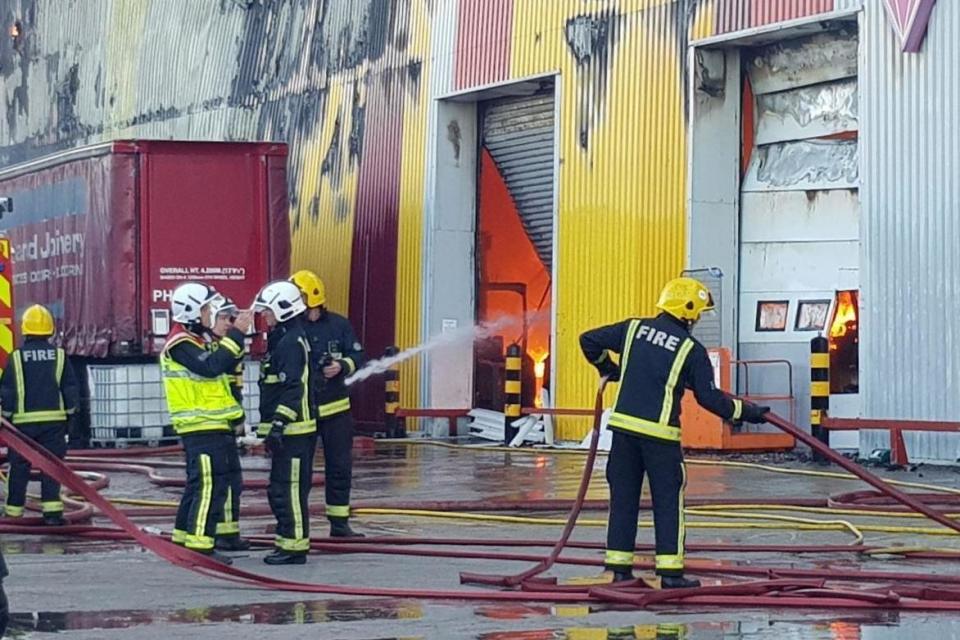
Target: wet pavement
x=86, y=589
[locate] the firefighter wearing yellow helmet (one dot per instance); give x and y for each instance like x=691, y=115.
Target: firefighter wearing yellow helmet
x=336, y=353
x=658, y=360
x=39, y=395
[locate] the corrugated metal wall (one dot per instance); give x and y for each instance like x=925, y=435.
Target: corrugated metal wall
x=911, y=230
x=622, y=164
x=350, y=86
x=736, y=15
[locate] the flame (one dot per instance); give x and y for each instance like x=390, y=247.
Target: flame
x=539, y=370
x=846, y=313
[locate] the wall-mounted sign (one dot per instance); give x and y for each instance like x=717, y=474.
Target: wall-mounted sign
x=772, y=315
x=812, y=315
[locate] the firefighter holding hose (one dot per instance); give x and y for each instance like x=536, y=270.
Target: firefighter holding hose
x=336, y=354
x=659, y=360
x=287, y=419
x=39, y=395
x=202, y=408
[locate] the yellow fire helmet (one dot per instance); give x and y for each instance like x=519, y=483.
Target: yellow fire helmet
x=685, y=299
x=311, y=286
x=37, y=321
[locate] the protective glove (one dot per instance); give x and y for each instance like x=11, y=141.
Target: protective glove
x=753, y=413
x=274, y=440
x=610, y=370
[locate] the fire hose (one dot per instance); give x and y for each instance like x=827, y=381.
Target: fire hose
x=782, y=588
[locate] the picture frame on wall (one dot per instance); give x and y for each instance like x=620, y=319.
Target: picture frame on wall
x=772, y=315
x=812, y=315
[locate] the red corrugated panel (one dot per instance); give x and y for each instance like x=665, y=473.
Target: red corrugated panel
x=771, y=11
x=483, y=42
x=373, y=269
x=72, y=231
x=736, y=15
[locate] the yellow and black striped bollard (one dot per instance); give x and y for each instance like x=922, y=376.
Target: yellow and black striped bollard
x=394, y=424
x=819, y=388
x=511, y=388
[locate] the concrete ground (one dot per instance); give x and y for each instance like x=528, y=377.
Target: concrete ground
x=78, y=589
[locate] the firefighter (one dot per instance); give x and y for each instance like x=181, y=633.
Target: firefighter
x=659, y=360
x=39, y=395
x=336, y=354
x=287, y=419
x=224, y=313
x=202, y=408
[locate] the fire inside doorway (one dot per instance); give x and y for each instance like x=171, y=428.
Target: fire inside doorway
x=515, y=209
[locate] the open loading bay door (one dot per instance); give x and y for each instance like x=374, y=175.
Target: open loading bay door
x=800, y=215
x=515, y=242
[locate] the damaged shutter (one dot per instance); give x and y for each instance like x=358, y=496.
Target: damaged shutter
x=518, y=132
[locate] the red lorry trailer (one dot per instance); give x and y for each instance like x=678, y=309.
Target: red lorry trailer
x=101, y=235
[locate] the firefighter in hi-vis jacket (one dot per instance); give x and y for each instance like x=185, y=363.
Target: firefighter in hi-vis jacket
x=196, y=381
x=659, y=360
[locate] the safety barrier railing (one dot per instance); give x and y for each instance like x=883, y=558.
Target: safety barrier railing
x=743, y=367
x=898, y=448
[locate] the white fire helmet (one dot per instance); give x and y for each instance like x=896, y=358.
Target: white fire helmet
x=223, y=304
x=189, y=298
x=283, y=298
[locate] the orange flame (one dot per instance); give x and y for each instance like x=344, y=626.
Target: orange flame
x=846, y=313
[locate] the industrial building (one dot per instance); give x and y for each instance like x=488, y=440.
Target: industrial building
x=455, y=161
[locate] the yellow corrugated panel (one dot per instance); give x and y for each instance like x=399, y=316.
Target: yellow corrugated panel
x=620, y=231
x=322, y=217
x=410, y=226
x=702, y=25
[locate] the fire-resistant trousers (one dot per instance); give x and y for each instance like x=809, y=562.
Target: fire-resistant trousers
x=208, y=456
x=630, y=457
x=53, y=437
x=229, y=525
x=336, y=435
x=291, y=475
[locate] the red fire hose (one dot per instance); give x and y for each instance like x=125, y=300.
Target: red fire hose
x=862, y=473
x=776, y=589
x=546, y=563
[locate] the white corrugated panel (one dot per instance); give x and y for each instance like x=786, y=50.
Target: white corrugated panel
x=847, y=5
x=910, y=152
x=518, y=133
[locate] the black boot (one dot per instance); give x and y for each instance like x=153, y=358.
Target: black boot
x=232, y=543
x=54, y=520
x=623, y=575
x=219, y=557
x=340, y=528
x=678, y=582
x=280, y=556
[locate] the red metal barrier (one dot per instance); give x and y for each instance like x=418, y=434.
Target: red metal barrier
x=898, y=448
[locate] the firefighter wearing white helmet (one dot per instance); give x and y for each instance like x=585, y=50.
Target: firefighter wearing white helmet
x=197, y=386
x=288, y=419
x=659, y=360
x=224, y=313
